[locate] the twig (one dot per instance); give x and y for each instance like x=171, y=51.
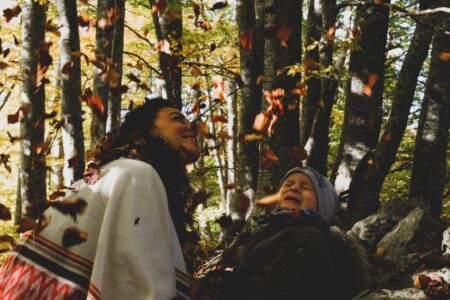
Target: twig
x=142, y=60
x=8, y=94
x=426, y=11
x=139, y=35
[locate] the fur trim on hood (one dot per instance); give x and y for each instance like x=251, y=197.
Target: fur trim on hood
x=351, y=269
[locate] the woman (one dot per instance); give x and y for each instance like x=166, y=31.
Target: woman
x=117, y=234
x=293, y=255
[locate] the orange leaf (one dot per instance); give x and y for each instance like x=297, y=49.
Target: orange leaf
x=195, y=71
x=230, y=186
x=224, y=135
x=367, y=89
x=330, y=33
x=252, y=137
x=445, y=56
x=261, y=122
x=218, y=88
x=163, y=46
x=96, y=104
x=219, y=118
x=260, y=79
x=247, y=39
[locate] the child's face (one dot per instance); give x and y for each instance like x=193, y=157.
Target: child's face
x=297, y=191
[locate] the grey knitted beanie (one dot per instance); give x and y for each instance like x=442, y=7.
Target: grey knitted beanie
x=327, y=199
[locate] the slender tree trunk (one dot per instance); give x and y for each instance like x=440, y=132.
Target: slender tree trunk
x=319, y=139
x=429, y=167
x=216, y=153
x=72, y=131
x=363, y=108
x=230, y=87
x=369, y=177
x=169, y=28
x=103, y=45
x=311, y=101
x=32, y=167
x=281, y=17
x=115, y=99
x=250, y=21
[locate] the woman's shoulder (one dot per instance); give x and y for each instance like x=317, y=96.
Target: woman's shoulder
x=130, y=168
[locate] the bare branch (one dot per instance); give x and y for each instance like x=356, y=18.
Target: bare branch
x=139, y=35
x=142, y=60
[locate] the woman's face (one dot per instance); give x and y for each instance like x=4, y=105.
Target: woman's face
x=173, y=126
x=297, y=191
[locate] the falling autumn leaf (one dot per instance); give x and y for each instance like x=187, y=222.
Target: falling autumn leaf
x=14, y=118
x=247, y=39
x=10, y=13
x=219, y=119
x=243, y=204
x=163, y=46
x=309, y=64
x=261, y=122
x=268, y=157
x=252, y=137
x=224, y=135
x=283, y=34
x=5, y=214
x=195, y=71
x=330, y=33
x=445, y=56
x=219, y=5
x=7, y=239
x=298, y=154
x=96, y=104
x=73, y=236
x=230, y=186
x=218, y=88
x=4, y=160
x=26, y=224
x=260, y=79
x=71, y=207
x=67, y=69
x=370, y=84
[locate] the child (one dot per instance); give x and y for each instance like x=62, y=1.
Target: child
x=292, y=254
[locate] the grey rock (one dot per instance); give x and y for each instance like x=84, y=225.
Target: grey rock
x=372, y=229
x=446, y=243
x=405, y=294
x=410, y=240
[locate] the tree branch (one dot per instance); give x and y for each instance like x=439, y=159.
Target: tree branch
x=139, y=35
x=142, y=60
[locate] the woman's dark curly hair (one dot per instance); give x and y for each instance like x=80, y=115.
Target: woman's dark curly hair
x=132, y=139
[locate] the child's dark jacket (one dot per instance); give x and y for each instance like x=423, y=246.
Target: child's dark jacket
x=296, y=257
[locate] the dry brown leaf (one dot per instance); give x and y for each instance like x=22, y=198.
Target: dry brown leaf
x=73, y=236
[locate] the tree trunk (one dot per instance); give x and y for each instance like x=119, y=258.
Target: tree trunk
x=429, y=167
x=311, y=101
x=230, y=87
x=115, y=99
x=250, y=21
x=281, y=17
x=103, y=45
x=366, y=186
x=319, y=139
x=169, y=27
x=32, y=168
x=363, y=108
x=72, y=131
